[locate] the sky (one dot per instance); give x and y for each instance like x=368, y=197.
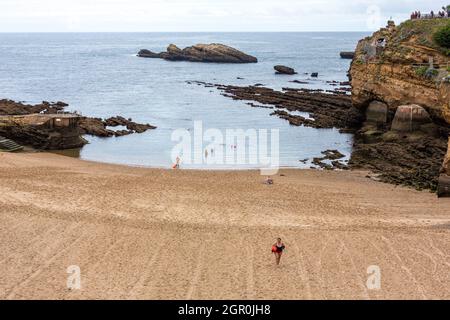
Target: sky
x=205, y=15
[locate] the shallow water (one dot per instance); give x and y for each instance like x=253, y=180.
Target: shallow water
x=99, y=75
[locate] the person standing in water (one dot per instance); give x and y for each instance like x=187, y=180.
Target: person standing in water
x=278, y=249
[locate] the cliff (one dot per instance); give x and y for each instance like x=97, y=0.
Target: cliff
x=403, y=65
x=400, y=81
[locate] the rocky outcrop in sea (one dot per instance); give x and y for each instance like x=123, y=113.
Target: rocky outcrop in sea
x=99, y=127
x=214, y=52
x=284, y=70
x=46, y=126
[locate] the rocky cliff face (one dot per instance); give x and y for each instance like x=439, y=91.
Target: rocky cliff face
x=400, y=74
x=402, y=65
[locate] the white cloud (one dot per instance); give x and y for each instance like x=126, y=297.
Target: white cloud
x=200, y=15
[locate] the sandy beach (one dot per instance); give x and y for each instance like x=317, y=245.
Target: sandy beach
x=139, y=233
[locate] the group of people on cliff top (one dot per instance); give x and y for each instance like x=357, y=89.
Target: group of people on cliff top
x=445, y=13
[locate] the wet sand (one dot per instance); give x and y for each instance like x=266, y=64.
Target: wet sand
x=139, y=233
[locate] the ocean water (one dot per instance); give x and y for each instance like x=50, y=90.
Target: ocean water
x=99, y=75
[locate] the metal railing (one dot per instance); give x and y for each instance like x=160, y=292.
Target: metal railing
x=427, y=16
x=75, y=113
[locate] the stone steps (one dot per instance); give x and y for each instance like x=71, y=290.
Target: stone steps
x=9, y=145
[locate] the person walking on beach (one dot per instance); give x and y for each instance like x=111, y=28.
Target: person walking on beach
x=278, y=249
x=177, y=164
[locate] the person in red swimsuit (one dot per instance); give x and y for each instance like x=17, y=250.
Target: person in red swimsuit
x=278, y=249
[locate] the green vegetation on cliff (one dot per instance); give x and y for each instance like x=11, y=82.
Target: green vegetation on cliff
x=424, y=33
x=442, y=36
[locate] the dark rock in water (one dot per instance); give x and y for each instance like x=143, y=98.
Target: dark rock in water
x=128, y=123
x=294, y=120
x=314, y=74
x=284, y=70
x=139, y=128
x=332, y=155
x=299, y=82
x=61, y=104
x=339, y=165
x=319, y=162
x=327, y=110
x=347, y=54
x=251, y=104
x=9, y=107
x=95, y=127
x=201, y=53
x=121, y=133
x=144, y=53
x=410, y=118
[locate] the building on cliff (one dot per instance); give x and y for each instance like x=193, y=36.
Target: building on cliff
x=44, y=131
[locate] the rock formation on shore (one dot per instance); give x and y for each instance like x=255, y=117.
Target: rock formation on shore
x=399, y=80
x=201, y=53
x=34, y=125
x=327, y=110
x=98, y=127
x=347, y=54
x=9, y=107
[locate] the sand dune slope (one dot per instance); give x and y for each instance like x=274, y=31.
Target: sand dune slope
x=152, y=234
